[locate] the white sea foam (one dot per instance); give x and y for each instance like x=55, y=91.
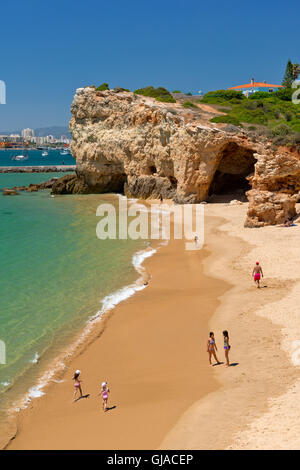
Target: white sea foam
x=5, y=383
x=111, y=300
x=35, y=358
x=36, y=392
x=139, y=257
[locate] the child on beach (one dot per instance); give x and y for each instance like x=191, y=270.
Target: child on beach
x=77, y=385
x=104, y=392
x=212, y=348
x=226, y=347
x=256, y=273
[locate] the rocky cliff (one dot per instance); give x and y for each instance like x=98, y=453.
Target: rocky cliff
x=126, y=142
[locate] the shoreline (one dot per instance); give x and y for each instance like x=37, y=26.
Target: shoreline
x=37, y=169
x=93, y=327
x=135, y=384
x=52, y=369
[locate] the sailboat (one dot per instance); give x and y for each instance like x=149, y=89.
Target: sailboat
x=20, y=157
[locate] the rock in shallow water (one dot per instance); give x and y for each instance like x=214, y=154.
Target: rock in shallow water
x=9, y=192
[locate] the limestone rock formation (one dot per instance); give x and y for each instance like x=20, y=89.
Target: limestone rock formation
x=134, y=143
x=70, y=184
x=131, y=143
x=276, y=189
x=269, y=208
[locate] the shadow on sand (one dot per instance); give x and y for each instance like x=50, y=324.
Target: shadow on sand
x=109, y=408
x=83, y=396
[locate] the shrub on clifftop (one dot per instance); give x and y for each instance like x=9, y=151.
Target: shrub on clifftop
x=219, y=96
x=227, y=120
x=160, y=94
x=189, y=104
x=103, y=87
x=118, y=89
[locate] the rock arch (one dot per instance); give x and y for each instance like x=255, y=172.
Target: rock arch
x=234, y=163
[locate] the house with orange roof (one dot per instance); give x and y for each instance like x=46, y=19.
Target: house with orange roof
x=253, y=86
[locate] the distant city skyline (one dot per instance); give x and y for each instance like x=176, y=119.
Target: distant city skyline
x=57, y=131
x=189, y=46
x=27, y=137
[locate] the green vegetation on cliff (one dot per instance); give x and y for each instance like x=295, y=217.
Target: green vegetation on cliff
x=102, y=87
x=160, y=94
x=222, y=96
x=189, y=104
x=273, y=113
x=118, y=89
x=105, y=86
x=227, y=120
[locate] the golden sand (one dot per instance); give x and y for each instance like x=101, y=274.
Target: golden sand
x=152, y=352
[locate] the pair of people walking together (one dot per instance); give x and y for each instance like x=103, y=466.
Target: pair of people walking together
x=104, y=392
x=212, y=347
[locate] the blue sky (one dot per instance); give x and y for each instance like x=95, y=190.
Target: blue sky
x=50, y=48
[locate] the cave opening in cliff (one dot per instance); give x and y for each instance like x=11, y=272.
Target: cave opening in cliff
x=152, y=170
x=236, y=163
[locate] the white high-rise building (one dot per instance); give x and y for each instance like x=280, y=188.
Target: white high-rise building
x=14, y=137
x=27, y=133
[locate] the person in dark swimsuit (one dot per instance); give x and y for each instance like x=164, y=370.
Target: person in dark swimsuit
x=226, y=347
x=212, y=348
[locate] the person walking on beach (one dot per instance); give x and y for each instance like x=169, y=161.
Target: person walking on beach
x=226, y=347
x=257, y=273
x=77, y=385
x=104, y=392
x=212, y=348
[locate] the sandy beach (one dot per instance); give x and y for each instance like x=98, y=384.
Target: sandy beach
x=257, y=400
x=151, y=350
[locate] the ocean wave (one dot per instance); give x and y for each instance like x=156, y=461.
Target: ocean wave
x=35, y=358
x=139, y=257
x=112, y=300
x=5, y=383
x=36, y=392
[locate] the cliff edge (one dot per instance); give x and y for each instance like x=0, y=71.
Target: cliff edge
x=130, y=143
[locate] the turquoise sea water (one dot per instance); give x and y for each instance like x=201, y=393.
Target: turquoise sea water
x=35, y=158
x=54, y=274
